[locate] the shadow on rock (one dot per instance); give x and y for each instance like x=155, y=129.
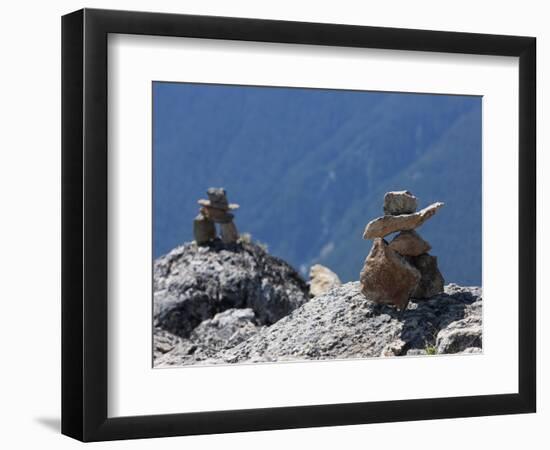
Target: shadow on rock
x=340, y=324
x=425, y=321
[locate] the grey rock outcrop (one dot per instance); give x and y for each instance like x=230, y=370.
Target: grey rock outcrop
x=459, y=338
x=226, y=329
x=164, y=342
x=344, y=324
x=463, y=335
x=472, y=350
x=193, y=283
x=212, y=336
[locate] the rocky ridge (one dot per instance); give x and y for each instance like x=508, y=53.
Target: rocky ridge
x=194, y=283
x=222, y=300
x=337, y=325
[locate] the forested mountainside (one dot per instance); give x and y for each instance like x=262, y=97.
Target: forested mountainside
x=309, y=168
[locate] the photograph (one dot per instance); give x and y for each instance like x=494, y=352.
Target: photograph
x=295, y=224
x=267, y=225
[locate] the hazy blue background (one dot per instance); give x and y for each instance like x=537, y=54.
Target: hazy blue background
x=310, y=167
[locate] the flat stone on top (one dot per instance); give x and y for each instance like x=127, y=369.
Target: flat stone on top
x=382, y=226
x=217, y=215
x=217, y=198
x=217, y=195
x=399, y=202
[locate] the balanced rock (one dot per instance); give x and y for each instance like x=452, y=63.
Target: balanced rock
x=204, y=229
x=215, y=210
x=217, y=198
x=382, y=226
x=387, y=277
x=431, y=281
x=322, y=280
x=409, y=243
x=229, y=233
x=217, y=215
x=399, y=202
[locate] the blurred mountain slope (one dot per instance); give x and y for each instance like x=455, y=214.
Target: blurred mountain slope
x=310, y=167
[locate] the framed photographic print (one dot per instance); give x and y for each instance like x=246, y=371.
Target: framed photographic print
x=272, y=224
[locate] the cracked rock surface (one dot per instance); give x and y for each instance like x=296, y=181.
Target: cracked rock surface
x=194, y=283
x=340, y=324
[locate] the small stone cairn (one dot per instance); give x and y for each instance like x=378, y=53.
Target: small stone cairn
x=395, y=272
x=215, y=210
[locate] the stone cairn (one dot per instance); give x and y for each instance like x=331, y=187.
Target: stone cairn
x=215, y=210
x=402, y=269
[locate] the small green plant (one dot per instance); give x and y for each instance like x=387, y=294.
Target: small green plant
x=430, y=346
x=431, y=350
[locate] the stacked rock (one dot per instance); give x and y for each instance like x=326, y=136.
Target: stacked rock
x=395, y=272
x=215, y=210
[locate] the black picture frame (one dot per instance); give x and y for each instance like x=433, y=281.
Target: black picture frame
x=84, y=224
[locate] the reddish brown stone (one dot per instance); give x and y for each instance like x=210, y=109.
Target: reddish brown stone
x=387, y=277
